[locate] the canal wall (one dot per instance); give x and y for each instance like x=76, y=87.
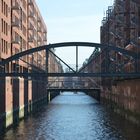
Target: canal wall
x=18, y=98
x=94, y=94
x=124, y=98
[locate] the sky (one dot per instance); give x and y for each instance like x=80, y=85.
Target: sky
x=73, y=20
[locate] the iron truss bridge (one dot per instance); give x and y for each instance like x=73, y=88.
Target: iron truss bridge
x=109, y=66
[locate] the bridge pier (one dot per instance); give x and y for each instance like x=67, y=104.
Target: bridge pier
x=51, y=95
x=53, y=92
x=95, y=94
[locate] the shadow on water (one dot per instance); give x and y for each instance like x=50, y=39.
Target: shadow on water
x=74, y=117
x=2, y=104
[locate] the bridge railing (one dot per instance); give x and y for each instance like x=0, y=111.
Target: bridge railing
x=74, y=83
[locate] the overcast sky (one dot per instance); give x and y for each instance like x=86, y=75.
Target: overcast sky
x=73, y=20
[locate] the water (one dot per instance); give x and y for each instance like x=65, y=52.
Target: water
x=73, y=117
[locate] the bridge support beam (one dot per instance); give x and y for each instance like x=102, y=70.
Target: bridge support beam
x=62, y=61
x=76, y=58
x=49, y=97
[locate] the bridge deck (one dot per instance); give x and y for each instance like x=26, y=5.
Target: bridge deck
x=73, y=89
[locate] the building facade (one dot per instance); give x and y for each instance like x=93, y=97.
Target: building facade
x=121, y=28
x=21, y=28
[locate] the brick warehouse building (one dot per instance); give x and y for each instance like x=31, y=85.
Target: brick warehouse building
x=22, y=27
x=121, y=28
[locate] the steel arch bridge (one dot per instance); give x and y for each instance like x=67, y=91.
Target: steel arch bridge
x=76, y=73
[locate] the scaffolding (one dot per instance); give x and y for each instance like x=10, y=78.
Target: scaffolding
x=121, y=27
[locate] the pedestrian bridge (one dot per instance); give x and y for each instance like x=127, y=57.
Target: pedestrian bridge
x=109, y=66
x=76, y=89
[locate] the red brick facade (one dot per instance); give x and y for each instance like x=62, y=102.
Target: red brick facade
x=21, y=27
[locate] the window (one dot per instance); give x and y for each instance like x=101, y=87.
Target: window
x=6, y=47
x=2, y=24
x=23, y=45
x=2, y=6
x=6, y=10
x=24, y=30
x=6, y=29
x=24, y=17
x=2, y=44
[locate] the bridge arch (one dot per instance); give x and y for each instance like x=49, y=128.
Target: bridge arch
x=68, y=44
x=48, y=48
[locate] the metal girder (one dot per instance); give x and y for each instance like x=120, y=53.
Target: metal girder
x=76, y=58
x=62, y=61
x=134, y=74
x=68, y=44
x=73, y=89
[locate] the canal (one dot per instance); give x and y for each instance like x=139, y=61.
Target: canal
x=72, y=116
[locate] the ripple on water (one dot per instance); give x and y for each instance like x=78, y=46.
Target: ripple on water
x=73, y=117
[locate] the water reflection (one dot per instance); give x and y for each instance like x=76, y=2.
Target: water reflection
x=74, y=117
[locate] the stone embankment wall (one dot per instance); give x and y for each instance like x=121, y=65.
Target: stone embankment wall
x=18, y=98
x=124, y=98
